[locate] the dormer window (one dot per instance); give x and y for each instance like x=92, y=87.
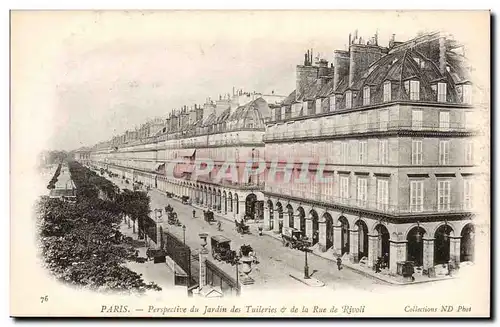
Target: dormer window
x=441, y=96
x=387, y=91
x=348, y=100
x=304, y=107
x=366, y=95
x=414, y=90
x=467, y=94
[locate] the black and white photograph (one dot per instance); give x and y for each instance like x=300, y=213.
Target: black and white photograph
x=250, y=163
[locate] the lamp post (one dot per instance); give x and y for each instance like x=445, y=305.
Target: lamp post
x=306, y=267
x=184, y=233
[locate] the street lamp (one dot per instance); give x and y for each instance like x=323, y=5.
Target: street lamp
x=418, y=236
x=446, y=231
x=184, y=233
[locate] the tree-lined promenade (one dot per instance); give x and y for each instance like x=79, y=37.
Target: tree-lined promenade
x=81, y=243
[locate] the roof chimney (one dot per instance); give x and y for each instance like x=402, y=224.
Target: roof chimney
x=442, y=55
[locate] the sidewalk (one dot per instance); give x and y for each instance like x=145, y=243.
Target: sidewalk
x=364, y=270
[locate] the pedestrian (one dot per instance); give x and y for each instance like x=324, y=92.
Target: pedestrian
x=378, y=264
x=339, y=263
x=194, y=213
x=219, y=224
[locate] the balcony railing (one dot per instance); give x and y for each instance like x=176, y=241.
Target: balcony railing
x=368, y=205
x=393, y=125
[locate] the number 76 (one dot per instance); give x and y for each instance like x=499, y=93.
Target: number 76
x=44, y=298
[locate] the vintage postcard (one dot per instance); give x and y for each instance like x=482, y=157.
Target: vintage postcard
x=250, y=164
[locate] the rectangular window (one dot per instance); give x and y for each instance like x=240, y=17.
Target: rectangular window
x=444, y=120
x=467, y=94
x=414, y=90
x=383, y=119
x=344, y=188
x=344, y=153
x=348, y=100
x=387, y=91
x=383, y=153
x=318, y=106
x=443, y=195
x=382, y=194
x=304, y=108
x=469, y=153
x=444, y=152
x=362, y=191
x=362, y=151
x=416, y=196
x=416, y=152
x=332, y=103
x=366, y=95
x=416, y=119
x=468, y=192
x=441, y=92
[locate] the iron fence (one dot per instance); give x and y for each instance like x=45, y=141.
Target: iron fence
x=179, y=252
x=215, y=277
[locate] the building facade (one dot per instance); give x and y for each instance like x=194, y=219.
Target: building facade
x=393, y=129
x=383, y=138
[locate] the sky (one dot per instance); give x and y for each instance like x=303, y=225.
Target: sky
x=93, y=75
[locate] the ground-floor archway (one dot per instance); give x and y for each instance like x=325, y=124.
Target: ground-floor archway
x=442, y=244
x=362, y=239
x=279, y=209
x=230, y=200
x=224, y=201
x=329, y=230
x=289, y=211
x=344, y=234
x=250, y=203
x=302, y=220
x=270, y=207
x=467, y=243
x=313, y=215
x=415, y=245
x=383, y=244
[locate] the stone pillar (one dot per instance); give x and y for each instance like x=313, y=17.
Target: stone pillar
x=322, y=236
x=397, y=252
x=353, y=245
x=267, y=218
x=241, y=210
x=428, y=261
x=309, y=228
x=455, y=250
x=296, y=221
x=276, y=224
x=337, y=240
x=203, y=268
x=373, y=243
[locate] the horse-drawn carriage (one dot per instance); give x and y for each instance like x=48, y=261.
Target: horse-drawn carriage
x=241, y=227
x=221, y=250
x=172, y=219
x=293, y=238
x=185, y=199
x=208, y=216
x=169, y=208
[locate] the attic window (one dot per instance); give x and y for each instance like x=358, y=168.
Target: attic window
x=348, y=100
x=467, y=94
x=441, y=94
x=366, y=95
x=414, y=90
x=387, y=91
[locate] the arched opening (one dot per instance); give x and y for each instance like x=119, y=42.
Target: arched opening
x=236, y=201
x=467, y=243
x=442, y=244
x=279, y=208
x=383, y=243
x=302, y=219
x=362, y=239
x=224, y=200
x=329, y=229
x=415, y=245
x=315, y=226
x=209, y=198
x=344, y=234
x=230, y=200
x=271, y=214
x=250, y=206
x=289, y=211
x=218, y=201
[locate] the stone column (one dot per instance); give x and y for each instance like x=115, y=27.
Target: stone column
x=428, y=261
x=203, y=268
x=373, y=243
x=296, y=221
x=309, y=228
x=455, y=249
x=276, y=224
x=267, y=218
x=397, y=252
x=337, y=240
x=353, y=245
x=322, y=236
